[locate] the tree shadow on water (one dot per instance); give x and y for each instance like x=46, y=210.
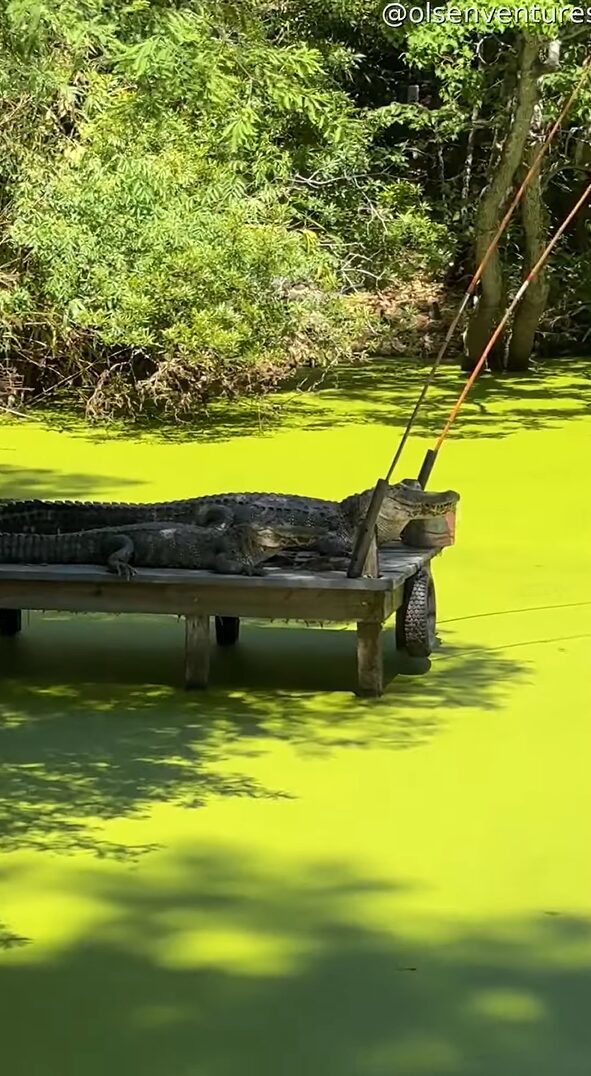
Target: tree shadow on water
x=27, y=483
x=384, y=391
x=497, y=405
x=228, y=967
x=79, y=746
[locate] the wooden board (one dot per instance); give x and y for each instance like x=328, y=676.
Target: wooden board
x=396, y=564
x=277, y=594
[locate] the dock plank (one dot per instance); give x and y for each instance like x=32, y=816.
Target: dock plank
x=397, y=563
x=279, y=594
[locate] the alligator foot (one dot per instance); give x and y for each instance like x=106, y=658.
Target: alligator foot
x=338, y=564
x=327, y=564
x=122, y=568
x=332, y=546
x=230, y=566
x=118, y=562
x=310, y=562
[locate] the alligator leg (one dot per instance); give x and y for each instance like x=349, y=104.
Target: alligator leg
x=196, y=651
x=333, y=546
x=370, y=665
x=118, y=560
x=228, y=565
x=325, y=564
x=214, y=515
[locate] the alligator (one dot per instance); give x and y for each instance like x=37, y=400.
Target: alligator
x=332, y=525
x=234, y=550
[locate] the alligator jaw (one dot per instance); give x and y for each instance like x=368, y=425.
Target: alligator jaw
x=278, y=536
x=267, y=538
x=410, y=496
x=404, y=503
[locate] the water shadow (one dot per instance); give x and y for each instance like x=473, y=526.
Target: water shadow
x=384, y=392
x=94, y=725
x=381, y=391
x=228, y=967
x=25, y=483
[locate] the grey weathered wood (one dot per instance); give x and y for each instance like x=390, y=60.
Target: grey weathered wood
x=196, y=651
x=371, y=566
x=141, y=596
x=396, y=563
x=370, y=663
x=277, y=595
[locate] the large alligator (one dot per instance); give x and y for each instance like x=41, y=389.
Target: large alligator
x=234, y=549
x=332, y=524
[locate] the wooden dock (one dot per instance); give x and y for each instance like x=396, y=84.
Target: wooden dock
x=198, y=596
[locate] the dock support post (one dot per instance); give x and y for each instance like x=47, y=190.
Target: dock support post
x=196, y=651
x=10, y=621
x=227, y=630
x=370, y=664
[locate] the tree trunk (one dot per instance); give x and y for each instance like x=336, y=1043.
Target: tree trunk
x=467, y=174
x=583, y=160
x=527, y=315
x=489, y=307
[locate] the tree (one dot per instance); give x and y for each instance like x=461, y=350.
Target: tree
x=190, y=193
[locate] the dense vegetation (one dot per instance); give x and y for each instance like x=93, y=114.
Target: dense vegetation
x=196, y=198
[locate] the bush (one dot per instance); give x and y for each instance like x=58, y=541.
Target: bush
x=177, y=297
x=189, y=198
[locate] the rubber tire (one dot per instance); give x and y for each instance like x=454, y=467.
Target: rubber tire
x=227, y=630
x=10, y=622
x=416, y=618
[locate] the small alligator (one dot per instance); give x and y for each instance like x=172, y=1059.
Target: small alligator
x=233, y=550
x=332, y=525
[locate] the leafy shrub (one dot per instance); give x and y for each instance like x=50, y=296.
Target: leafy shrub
x=189, y=194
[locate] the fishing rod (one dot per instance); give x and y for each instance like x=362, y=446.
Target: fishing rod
x=544, y=147
x=368, y=527
x=431, y=454
x=367, y=530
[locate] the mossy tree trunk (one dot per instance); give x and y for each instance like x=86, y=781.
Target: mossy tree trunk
x=582, y=238
x=489, y=307
x=527, y=315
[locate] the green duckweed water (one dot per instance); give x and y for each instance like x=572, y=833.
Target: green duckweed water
x=276, y=878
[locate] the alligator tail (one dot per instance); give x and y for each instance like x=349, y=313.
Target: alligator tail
x=47, y=549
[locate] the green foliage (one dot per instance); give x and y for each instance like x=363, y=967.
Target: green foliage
x=188, y=192
x=169, y=210
x=156, y=256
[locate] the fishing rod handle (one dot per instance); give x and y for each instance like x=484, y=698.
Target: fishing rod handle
x=427, y=466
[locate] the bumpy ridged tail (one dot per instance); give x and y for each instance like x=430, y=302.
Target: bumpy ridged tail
x=71, y=516
x=48, y=549
x=49, y=518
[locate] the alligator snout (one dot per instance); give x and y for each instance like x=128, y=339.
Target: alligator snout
x=409, y=494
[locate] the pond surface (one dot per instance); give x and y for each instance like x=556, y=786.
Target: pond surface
x=276, y=878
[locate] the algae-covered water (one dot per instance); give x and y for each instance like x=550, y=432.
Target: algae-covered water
x=276, y=878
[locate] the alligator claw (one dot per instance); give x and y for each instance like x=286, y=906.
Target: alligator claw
x=122, y=568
